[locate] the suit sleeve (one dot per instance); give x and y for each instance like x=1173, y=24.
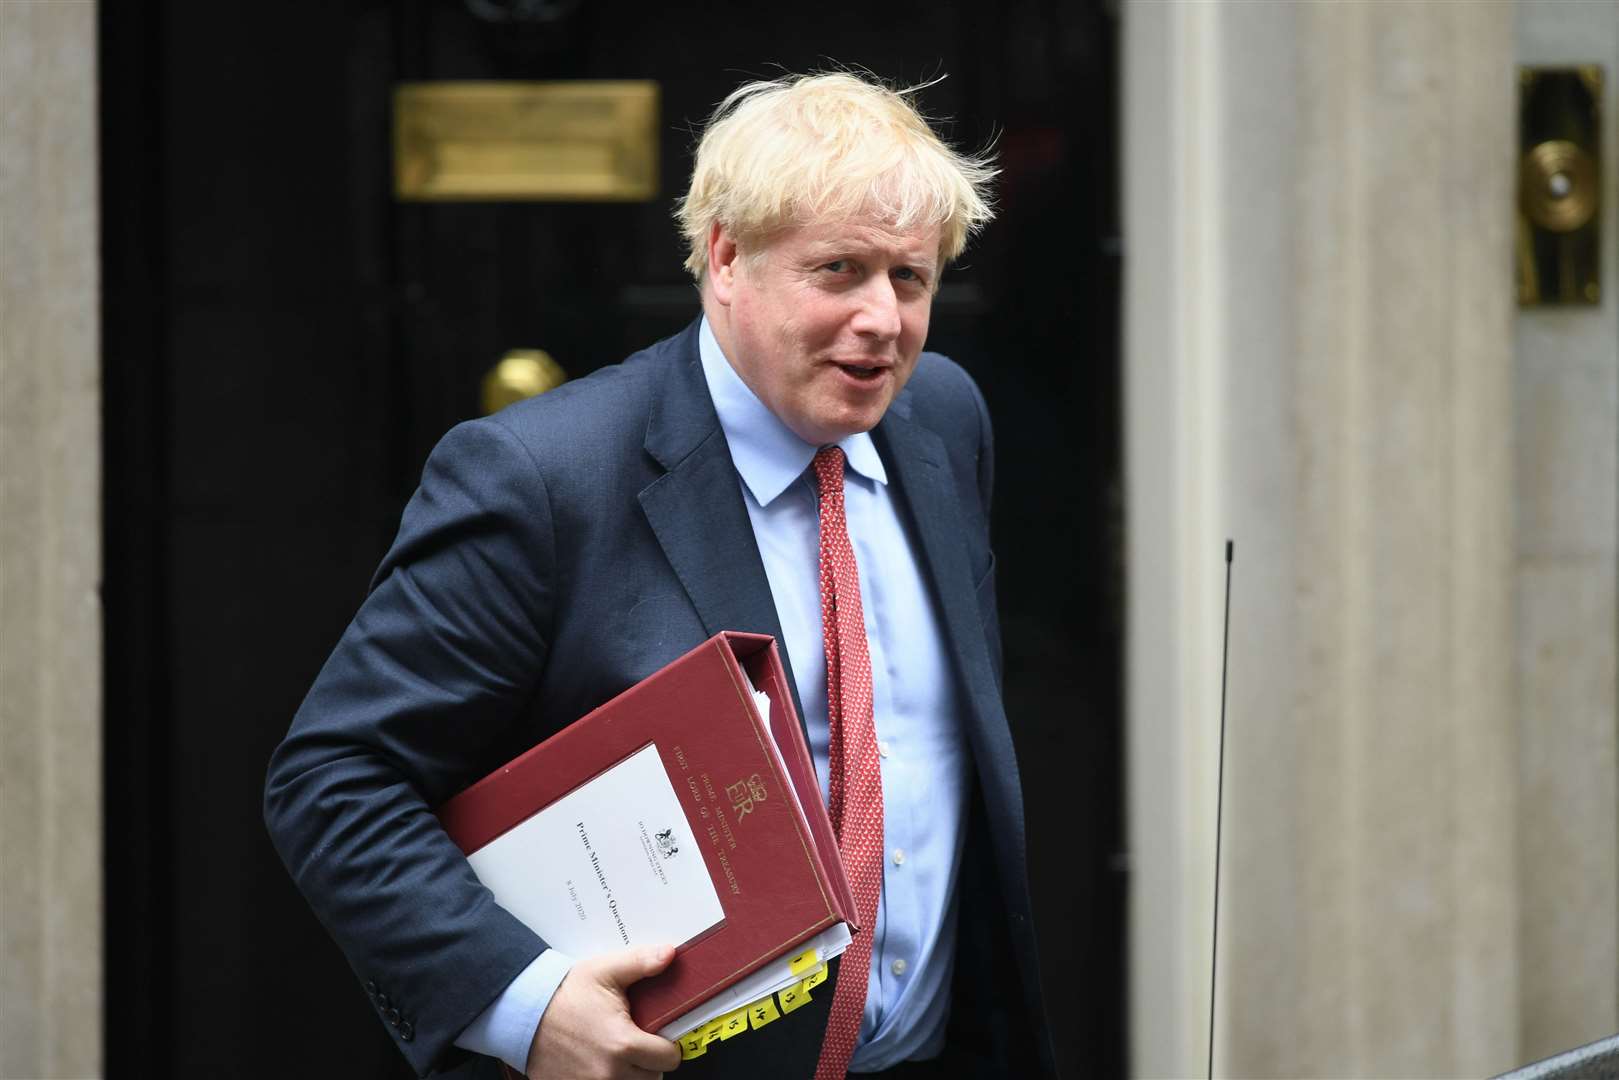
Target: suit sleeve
x=443, y=653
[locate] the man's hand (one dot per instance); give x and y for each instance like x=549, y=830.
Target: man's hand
x=586, y=1032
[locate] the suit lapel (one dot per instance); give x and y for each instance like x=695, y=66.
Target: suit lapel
x=916, y=459
x=696, y=510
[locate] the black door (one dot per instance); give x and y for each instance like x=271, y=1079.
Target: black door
x=284, y=342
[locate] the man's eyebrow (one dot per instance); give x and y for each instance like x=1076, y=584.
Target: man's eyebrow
x=820, y=250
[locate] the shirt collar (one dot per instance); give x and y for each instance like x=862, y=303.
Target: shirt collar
x=766, y=452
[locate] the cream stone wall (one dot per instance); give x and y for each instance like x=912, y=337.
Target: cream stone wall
x=1325, y=362
x=50, y=537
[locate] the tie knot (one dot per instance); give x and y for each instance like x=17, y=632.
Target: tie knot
x=829, y=469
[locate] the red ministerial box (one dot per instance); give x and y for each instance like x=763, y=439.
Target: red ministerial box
x=775, y=868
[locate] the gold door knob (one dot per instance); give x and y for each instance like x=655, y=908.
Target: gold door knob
x=521, y=373
x=1558, y=184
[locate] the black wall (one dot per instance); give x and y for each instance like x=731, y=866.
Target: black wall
x=284, y=342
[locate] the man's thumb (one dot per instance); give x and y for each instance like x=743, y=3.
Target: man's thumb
x=630, y=966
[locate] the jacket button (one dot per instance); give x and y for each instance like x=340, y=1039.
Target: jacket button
x=371, y=987
x=382, y=1001
x=393, y=1017
x=406, y=1032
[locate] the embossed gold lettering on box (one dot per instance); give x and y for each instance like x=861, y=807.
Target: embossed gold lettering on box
x=496, y=141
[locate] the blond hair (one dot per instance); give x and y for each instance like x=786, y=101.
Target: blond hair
x=830, y=146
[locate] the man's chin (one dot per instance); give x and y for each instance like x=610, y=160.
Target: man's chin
x=825, y=431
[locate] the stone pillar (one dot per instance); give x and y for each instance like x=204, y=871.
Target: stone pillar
x=1319, y=364
x=50, y=543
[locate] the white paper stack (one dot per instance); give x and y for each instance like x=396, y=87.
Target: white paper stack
x=772, y=978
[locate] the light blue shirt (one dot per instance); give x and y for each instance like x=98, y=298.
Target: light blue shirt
x=924, y=756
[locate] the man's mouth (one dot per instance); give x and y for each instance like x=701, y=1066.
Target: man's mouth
x=863, y=372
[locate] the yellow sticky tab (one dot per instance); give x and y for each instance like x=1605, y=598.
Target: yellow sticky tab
x=711, y=1030
x=816, y=977
x=692, y=1045
x=733, y=1023
x=793, y=997
x=761, y=1012
x=802, y=962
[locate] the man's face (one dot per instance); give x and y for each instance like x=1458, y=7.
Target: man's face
x=825, y=321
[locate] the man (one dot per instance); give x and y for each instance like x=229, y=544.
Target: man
x=791, y=464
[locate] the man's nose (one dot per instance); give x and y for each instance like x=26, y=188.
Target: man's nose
x=878, y=314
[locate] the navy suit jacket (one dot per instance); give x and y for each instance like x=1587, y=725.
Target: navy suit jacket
x=556, y=553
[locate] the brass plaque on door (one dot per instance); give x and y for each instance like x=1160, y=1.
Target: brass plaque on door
x=498, y=141
x=1559, y=185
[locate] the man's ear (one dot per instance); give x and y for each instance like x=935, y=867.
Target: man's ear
x=723, y=259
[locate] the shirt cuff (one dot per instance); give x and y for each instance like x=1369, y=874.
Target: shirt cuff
x=505, y=1030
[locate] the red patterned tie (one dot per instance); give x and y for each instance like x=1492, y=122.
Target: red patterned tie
x=856, y=783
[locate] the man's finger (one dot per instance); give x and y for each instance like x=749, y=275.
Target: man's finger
x=630, y=966
x=654, y=1054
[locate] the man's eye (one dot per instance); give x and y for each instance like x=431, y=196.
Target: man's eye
x=837, y=266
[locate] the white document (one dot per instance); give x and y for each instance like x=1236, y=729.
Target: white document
x=774, y=976
x=611, y=864
x=762, y=700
